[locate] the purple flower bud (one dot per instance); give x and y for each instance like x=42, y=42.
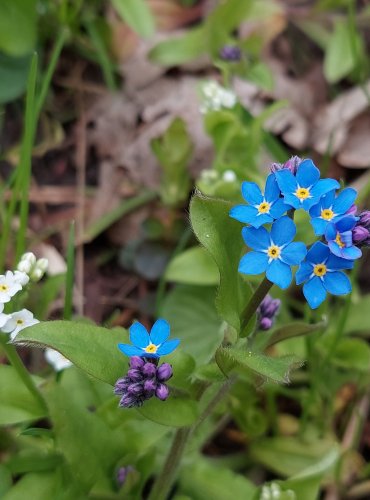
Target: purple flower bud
x=365, y=218
x=265, y=323
x=352, y=210
x=129, y=401
x=230, y=53
x=359, y=234
x=135, y=388
x=150, y=386
x=164, y=372
x=292, y=165
x=149, y=369
x=122, y=473
x=134, y=374
x=121, y=385
x=162, y=392
x=136, y=362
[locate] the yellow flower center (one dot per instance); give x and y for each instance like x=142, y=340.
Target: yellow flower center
x=339, y=241
x=319, y=269
x=264, y=207
x=273, y=252
x=302, y=193
x=3, y=288
x=151, y=348
x=19, y=321
x=327, y=214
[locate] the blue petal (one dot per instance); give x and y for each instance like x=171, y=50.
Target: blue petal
x=131, y=350
x=324, y=186
x=258, y=239
x=330, y=232
x=344, y=200
x=328, y=199
x=286, y=181
x=168, y=347
x=337, y=283
x=160, y=331
x=252, y=193
x=345, y=224
x=314, y=292
x=307, y=174
x=283, y=231
x=243, y=213
x=278, y=208
x=294, y=253
x=139, y=335
x=335, y=249
x=308, y=203
x=304, y=272
x=351, y=253
x=319, y=225
x=315, y=211
x=335, y=263
x=262, y=219
x=279, y=273
x=253, y=263
x=292, y=200
x=272, y=191
x=318, y=253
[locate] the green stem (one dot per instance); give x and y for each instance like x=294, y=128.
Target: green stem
x=23, y=373
x=256, y=299
x=166, y=478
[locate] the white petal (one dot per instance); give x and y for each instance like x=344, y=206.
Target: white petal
x=57, y=360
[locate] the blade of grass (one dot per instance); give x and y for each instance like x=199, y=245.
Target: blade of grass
x=68, y=300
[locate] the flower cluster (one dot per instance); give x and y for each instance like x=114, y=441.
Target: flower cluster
x=291, y=186
x=216, y=97
x=267, y=311
x=145, y=378
x=273, y=491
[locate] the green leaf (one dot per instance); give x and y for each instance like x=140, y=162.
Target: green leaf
x=221, y=237
x=34, y=461
x=272, y=369
x=191, y=313
x=340, y=59
x=17, y=403
x=137, y=14
x=353, y=354
x=5, y=480
x=181, y=49
x=38, y=486
x=201, y=479
x=194, y=266
x=296, y=329
x=18, y=20
x=174, y=412
x=91, y=348
x=357, y=320
x=261, y=75
x=13, y=76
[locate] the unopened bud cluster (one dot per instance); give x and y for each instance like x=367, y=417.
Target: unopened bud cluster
x=267, y=312
x=144, y=380
x=34, y=268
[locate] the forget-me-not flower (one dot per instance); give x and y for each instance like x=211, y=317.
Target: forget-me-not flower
x=262, y=209
x=340, y=240
x=321, y=272
x=305, y=188
x=273, y=252
x=331, y=209
x=151, y=345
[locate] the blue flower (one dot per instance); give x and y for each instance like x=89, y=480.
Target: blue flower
x=339, y=238
x=263, y=209
x=304, y=189
x=273, y=252
x=321, y=272
x=331, y=209
x=151, y=345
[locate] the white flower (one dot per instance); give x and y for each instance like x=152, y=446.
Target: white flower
x=273, y=491
x=57, y=360
x=24, y=266
x=3, y=317
x=36, y=274
x=9, y=286
x=229, y=176
x=216, y=97
x=21, y=278
x=18, y=321
x=42, y=264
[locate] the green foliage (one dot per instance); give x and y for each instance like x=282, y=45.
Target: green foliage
x=18, y=20
x=194, y=266
x=13, y=76
x=175, y=412
x=220, y=235
x=38, y=486
x=137, y=15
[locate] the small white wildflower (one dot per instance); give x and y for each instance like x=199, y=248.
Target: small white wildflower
x=273, y=492
x=18, y=321
x=36, y=274
x=216, y=97
x=21, y=278
x=57, y=360
x=29, y=257
x=24, y=266
x=229, y=176
x=42, y=264
x=3, y=317
x=9, y=286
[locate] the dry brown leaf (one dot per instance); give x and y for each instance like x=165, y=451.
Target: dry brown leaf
x=355, y=152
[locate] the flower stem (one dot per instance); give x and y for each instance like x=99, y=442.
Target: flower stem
x=23, y=373
x=256, y=299
x=166, y=478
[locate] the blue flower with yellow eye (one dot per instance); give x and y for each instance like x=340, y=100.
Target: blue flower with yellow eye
x=331, y=209
x=321, y=272
x=273, y=253
x=262, y=208
x=304, y=189
x=340, y=239
x=150, y=345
